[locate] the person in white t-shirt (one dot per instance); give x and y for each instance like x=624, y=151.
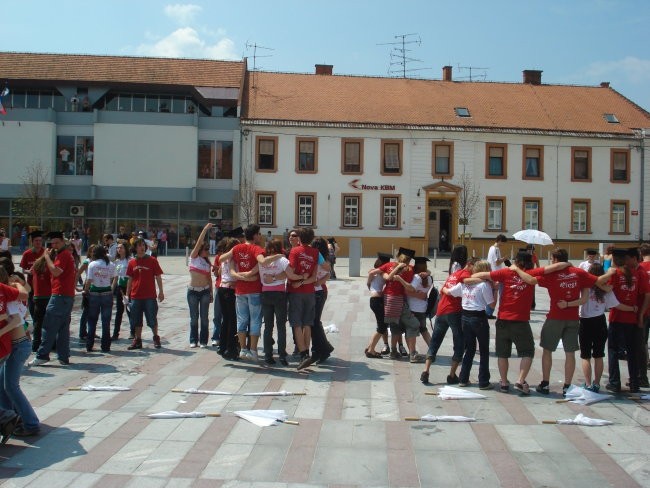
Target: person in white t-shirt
x=496, y=262
x=592, y=257
x=417, y=299
x=99, y=286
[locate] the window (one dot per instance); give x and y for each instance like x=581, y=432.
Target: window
x=533, y=163
x=391, y=157
x=443, y=159
x=611, y=118
x=495, y=213
x=215, y=160
x=74, y=155
x=496, y=161
x=266, y=209
x=620, y=172
x=581, y=164
x=581, y=216
x=352, y=156
x=305, y=209
x=390, y=214
x=351, y=211
x=619, y=220
x=306, y=155
x=532, y=213
x=462, y=111
x=267, y=154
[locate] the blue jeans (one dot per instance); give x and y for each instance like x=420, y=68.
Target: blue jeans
x=216, y=320
x=11, y=396
x=274, y=305
x=99, y=304
x=146, y=306
x=442, y=324
x=56, y=327
x=475, y=326
x=199, y=303
x=249, y=313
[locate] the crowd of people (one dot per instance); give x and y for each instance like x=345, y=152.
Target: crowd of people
x=579, y=299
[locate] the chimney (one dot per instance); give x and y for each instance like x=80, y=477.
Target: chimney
x=604, y=84
x=446, y=73
x=324, y=69
x=532, y=77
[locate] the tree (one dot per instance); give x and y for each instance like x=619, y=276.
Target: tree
x=469, y=198
x=34, y=202
x=246, y=197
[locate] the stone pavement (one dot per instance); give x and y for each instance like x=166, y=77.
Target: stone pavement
x=351, y=431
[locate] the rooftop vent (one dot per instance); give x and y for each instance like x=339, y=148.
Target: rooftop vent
x=324, y=69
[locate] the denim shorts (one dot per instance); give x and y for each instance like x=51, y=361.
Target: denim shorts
x=249, y=313
x=148, y=306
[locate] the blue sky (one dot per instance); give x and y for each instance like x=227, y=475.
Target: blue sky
x=579, y=42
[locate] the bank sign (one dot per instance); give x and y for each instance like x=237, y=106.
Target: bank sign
x=357, y=185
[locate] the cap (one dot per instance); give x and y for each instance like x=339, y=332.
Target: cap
x=407, y=252
x=236, y=232
x=55, y=234
x=591, y=252
x=421, y=259
x=36, y=233
x=384, y=256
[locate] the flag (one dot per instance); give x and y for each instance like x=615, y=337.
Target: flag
x=3, y=94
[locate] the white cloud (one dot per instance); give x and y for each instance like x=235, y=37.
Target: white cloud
x=187, y=43
x=630, y=68
x=182, y=13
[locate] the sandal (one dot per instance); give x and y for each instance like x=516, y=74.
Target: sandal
x=504, y=388
x=523, y=388
x=373, y=354
x=424, y=377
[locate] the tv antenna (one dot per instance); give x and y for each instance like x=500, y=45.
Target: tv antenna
x=472, y=76
x=399, y=55
x=255, y=47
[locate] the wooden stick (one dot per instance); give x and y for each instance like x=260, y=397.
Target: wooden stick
x=549, y=421
x=302, y=393
x=430, y=392
x=412, y=418
x=291, y=422
x=213, y=415
x=74, y=388
x=177, y=390
x=564, y=400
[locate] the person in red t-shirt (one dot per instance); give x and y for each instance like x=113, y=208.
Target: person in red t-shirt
x=630, y=285
x=644, y=249
x=248, y=290
x=56, y=323
x=568, y=288
x=143, y=272
x=27, y=261
x=512, y=323
x=448, y=315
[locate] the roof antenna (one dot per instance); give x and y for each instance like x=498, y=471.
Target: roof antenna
x=399, y=54
x=472, y=77
x=255, y=47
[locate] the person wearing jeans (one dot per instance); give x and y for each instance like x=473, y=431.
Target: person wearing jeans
x=274, y=301
x=199, y=291
x=119, y=287
x=98, y=285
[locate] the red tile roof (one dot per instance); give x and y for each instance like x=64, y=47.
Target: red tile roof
x=120, y=69
x=323, y=99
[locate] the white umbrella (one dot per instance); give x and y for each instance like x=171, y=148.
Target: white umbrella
x=273, y=393
x=453, y=393
x=99, y=388
x=442, y=418
x=194, y=391
x=264, y=418
x=582, y=396
x=580, y=420
x=533, y=236
x=645, y=397
x=173, y=414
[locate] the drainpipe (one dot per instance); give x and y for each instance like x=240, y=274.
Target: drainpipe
x=642, y=190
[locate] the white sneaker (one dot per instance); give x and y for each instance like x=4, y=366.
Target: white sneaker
x=193, y=345
x=245, y=355
x=203, y=346
x=37, y=362
x=253, y=355
x=215, y=343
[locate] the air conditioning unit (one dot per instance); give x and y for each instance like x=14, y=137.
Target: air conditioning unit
x=77, y=210
x=215, y=213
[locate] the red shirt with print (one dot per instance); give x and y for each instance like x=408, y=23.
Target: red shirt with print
x=42, y=285
x=447, y=303
x=645, y=266
x=7, y=294
x=142, y=272
x=517, y=296
x=245, y=258
x=394, y=287
x=303, y=260
x=566, y=284
x=64, y=284
x=27, y=261
x=631, y=295
x=215, y=265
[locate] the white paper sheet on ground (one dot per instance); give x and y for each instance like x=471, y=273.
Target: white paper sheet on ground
x=446, y=418
x=331, y=329
x=582, y=396
x=104, y=388
x=262, y=418
x=270, y=393
x=582, y=420
x=173, y=414
x=205, y=392
x=453, y=393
